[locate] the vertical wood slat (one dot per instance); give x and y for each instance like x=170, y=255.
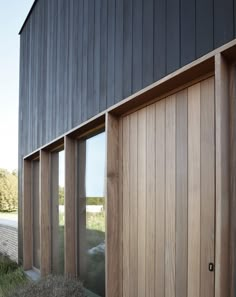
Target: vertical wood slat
x=27, y=216
x=222, y=177
x=232, y=179
x=45, y=214
x=121, y=207
x=70, y=187
x=126, y=207
x=55, y=211
x=160, y=200
x=194, y=191
x=142, y=118
x=112, y=209
x=133, y=248
x=181, y=193
x=150, y=204
x=207, y=187
x=170, y=238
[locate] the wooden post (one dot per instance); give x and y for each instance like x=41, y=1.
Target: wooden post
x=45, y=213
x=113, y=238
x=70, y=188
x=232, y=90
x=27, y=216
x=222, y=177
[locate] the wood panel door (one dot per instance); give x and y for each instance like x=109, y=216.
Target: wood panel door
x=168, y=185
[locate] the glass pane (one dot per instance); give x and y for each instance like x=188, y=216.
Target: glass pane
x=91, y=258
x=58, y=211
x=36, y=218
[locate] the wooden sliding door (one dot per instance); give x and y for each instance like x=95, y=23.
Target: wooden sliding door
x=168, y=183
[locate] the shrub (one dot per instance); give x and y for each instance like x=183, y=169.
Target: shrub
x=52, y=286
x=8, y=191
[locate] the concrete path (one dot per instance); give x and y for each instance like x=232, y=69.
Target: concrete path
x=9, y=222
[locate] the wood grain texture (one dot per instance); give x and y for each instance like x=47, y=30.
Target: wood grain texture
x=126, y=207
x=133, y=196
x=121, y=206
x=222, y=177
x=232, y=179
x=160, y=136
x=194, y=191
x=151, y=202
x=207, y=186
x=27, y=217
x=70, y=202
x=170, y=202
x=45, y=215
x=142, y=200
x=112, y=208
x=181, y=193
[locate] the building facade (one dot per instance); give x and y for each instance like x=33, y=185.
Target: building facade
x=127, y=145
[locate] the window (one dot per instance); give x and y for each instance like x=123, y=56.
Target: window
x=91, y=214
x=57, y=211
x=36, y=217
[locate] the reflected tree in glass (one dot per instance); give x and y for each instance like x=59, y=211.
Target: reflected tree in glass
x=91, y=214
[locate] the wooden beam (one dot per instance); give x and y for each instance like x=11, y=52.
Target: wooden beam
x=27, y=216
x=45, y=213
x=70, y=196
x=113, y=240
x=232, y=93
x=222, y=177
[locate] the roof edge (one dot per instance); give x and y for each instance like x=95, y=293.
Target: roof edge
x=27, y=17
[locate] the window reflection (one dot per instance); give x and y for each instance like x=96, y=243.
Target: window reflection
x=91, y=218
x=36, y=217
x=58, y=211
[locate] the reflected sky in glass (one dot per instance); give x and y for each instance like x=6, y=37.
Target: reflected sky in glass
x=95, y=166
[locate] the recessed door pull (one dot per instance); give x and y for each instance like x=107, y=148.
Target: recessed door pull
x=211, y=267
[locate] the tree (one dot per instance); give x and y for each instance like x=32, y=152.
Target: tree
x=8, y=190
x=61, y=196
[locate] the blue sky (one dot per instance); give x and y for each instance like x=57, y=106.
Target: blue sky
x=12, y=16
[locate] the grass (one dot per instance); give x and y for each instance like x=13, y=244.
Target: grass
x=52, y=286
x=11, y=276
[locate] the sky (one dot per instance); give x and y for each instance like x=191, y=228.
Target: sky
x=95, y=166
x=12, y=16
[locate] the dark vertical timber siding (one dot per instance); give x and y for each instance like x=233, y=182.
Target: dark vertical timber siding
x=137, y=45
x=127, y=45
x=111, y=52
x=79, y=57
x=204, y=27
x=159, y=39
x=223, y=21
x=103, y=44
x=119, y=50
x=187, y=32
x=148, y=7
x=172, y=35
